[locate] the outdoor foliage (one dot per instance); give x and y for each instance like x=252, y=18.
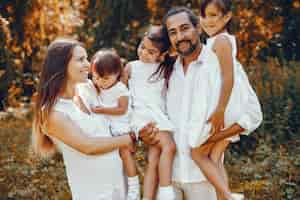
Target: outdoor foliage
x=268, y=34
x=267, y=31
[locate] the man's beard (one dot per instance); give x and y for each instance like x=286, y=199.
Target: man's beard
x=189, y=51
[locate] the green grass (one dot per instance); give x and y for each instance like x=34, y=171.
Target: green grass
x=265, y=172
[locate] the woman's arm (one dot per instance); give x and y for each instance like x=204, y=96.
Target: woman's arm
x=223, y=50
x=64, y=129
x=121, y=109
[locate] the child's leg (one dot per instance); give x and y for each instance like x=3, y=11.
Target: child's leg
x=150, y=178
x=128, y=162
x=131, y=172
x=168, y=150
x=201, y=156
x=216, y=156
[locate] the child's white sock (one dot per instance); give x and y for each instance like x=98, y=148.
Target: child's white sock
x=166, y=193
x=133, y=188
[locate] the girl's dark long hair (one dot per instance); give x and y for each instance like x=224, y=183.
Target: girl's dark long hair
x=160, y=40
x=164, y=70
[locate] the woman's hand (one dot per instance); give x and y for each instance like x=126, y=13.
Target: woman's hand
x=148, y=133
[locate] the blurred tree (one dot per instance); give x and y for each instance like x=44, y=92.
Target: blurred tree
x=114, y=23
x=268, y=28
x=6, y=73
x=32, y=24
x=263, y=28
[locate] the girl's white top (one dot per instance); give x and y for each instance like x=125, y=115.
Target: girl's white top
x=146, y=91
x=147, y=96
x=243, y=106
x=120, y=124
x=90, y=177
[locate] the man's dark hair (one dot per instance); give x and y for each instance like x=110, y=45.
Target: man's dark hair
x=175, y=10
x=165, y=68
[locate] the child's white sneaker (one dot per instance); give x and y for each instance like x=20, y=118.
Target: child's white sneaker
x=166, y=193
x=133, y=188
x=237, y=196
x=133, y=196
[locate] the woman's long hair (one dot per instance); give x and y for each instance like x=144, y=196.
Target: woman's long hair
x=52, y=81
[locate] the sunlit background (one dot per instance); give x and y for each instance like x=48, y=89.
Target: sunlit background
x=265, y=165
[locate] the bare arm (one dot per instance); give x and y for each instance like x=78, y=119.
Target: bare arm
x=121, y=109
x=126, y=74
x=223, y=50
x=235, y=129
x=64, y=129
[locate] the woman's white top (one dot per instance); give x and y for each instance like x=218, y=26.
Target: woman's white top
x=147, y=96
x=90, y=177
x=243, y=106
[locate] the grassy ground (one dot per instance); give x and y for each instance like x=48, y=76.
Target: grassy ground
x=269, y=172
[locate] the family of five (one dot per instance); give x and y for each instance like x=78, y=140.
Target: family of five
x=185, y=100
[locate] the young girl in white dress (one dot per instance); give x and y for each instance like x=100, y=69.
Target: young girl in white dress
x=231, y=98
x=149, y=106
x=107, y=95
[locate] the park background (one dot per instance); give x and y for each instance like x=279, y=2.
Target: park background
x=265, y=165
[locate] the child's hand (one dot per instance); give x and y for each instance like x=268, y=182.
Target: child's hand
x=217, y=121
x=97, y=109
x=148, y=133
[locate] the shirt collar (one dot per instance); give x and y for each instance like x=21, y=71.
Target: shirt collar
x=198, y=61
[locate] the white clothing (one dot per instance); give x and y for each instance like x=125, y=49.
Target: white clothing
x=147, y=96
x=194, y=191
x=252, y=116
x=179, y=108
x=243, y=106
x=89, y=94
x=191, y=99
x=90, y=177
x=109, y=98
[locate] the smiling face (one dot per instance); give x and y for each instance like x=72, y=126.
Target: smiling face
x=106, y=81
x=78, y=66
x=214, y=21
x=147, y=52
x=183, y=35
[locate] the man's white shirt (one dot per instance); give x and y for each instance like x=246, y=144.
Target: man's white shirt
x=179, y=108
x=191, y=98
